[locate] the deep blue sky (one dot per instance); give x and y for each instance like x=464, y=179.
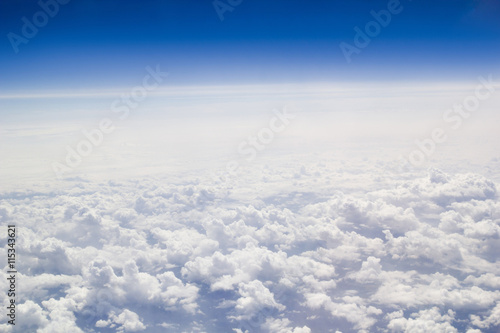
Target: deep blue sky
x=108, y=43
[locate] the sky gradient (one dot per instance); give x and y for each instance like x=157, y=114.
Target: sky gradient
x=90, y=44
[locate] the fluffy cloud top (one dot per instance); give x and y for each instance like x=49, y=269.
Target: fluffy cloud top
x=281, y=254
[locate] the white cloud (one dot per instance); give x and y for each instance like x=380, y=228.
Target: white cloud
x=254, y=297
x=126, y=321
x=424, y=321
x=280, y=254
x=283, y=326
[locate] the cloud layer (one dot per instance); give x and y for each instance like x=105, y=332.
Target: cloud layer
x=285, y=249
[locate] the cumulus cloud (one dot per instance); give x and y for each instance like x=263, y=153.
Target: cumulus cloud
x=254, y=296
x=283, y=326
x=126, y=321
x=429, y=320
x=275, y=254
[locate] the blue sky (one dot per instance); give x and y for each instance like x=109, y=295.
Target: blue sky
x=96, y=44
